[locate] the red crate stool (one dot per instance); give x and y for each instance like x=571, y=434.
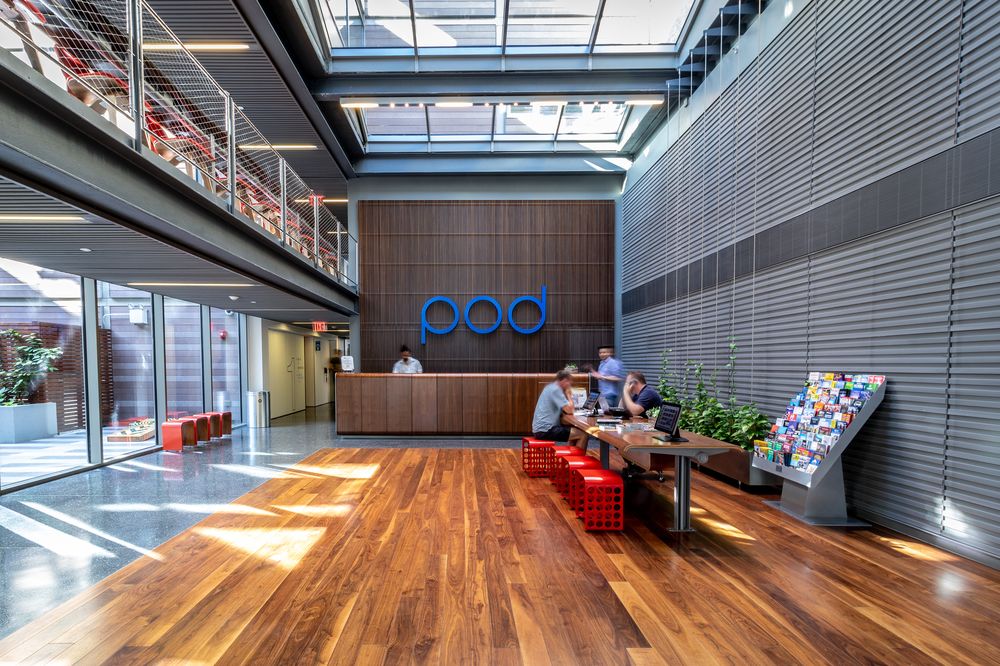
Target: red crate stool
x=603, y=500
x=564, y=468
x=214, y=423
x=178, y=434
x=227, y=423
x=562, y=449
x=537, y=456
x=201, y=427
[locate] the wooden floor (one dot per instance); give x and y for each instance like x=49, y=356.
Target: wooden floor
x=454, y=557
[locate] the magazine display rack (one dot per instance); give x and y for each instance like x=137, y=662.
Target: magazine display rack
x=804, y=447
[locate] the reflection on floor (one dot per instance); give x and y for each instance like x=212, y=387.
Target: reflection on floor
x=44, y=457
x=358, y=556
x=61, y=537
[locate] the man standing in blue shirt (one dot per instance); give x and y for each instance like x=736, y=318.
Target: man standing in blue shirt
x=609, y=375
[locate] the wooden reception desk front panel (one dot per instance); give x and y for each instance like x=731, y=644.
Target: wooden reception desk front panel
x=433, y=404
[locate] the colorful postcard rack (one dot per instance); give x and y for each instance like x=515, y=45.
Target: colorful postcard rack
x=816, y=418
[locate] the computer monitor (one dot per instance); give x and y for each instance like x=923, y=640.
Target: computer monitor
x=668, y=421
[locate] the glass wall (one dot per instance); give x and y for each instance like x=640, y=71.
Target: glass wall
x=226, y=363
x=183, y=358
x=127, y=377
x=43, y=427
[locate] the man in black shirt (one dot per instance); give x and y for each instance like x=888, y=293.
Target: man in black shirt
x=638, y=395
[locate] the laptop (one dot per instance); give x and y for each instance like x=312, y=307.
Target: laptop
x=588, y=406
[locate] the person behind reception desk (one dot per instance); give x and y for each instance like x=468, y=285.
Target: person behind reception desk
x=556, y=399
x=639, y=396
x=407, y=365
x=609, y=375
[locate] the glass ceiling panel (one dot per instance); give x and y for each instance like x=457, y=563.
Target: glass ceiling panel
x=551, y=22
x=592, y=119
x=643, y=21
x=387, y=24
x=527, y=119
x=396, y=121
x=458, y=22
x=461, y=120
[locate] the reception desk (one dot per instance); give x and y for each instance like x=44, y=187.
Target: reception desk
x=434, y=404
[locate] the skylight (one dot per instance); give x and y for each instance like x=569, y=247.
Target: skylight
x=441, y=24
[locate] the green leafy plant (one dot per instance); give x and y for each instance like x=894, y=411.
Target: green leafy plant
x=31, y=359
x=703, y=411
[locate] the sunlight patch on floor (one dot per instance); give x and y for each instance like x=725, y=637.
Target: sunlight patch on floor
x=317, y=510
x=237, y=509
x=280, y=545
x=337, y=470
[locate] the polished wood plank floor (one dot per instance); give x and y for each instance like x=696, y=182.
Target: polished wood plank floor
x=453, y=557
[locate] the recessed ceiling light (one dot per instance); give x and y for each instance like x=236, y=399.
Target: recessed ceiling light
x=279, y=146
x=188, y=284
x=234, y=298
x=644, y=102
x=34, y=217
x=329, y=200
x=359, y=105
x=550, y=103
x=195, y=46
x=453, y=105
x=85, y=249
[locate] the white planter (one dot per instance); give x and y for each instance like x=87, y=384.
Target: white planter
x=24, y=423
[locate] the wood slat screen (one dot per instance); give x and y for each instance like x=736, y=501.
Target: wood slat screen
x=413, y=250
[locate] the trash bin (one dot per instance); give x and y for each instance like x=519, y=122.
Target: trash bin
x=260, y=409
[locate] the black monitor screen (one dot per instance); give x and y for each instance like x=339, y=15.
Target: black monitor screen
x=591, y=400
x=670, y=414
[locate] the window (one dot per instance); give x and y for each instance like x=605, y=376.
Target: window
x=127, y=377
x=183, y=357
x=43, y=426
x=227, y=366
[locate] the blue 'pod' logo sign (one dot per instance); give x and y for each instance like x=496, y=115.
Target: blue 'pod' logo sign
x=457, y=314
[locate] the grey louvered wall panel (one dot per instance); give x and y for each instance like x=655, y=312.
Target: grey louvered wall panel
x=778, y=350
x=746, y=93
x=978, y=110
x=785, y=86
x=877, y=112
x=642, y=341
x=972, y=463
x=887, y=313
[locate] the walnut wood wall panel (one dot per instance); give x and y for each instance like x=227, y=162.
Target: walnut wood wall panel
x=434, y=404
x=413, y=250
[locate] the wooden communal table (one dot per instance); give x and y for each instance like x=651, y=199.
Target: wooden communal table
x=698, y=447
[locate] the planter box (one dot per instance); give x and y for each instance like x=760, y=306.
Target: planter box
x=738, y=466
x=25, y=423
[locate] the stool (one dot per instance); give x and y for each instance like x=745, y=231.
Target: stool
x=603, y=499
x=177, y=434
x=227, y=424
x=200, y=425
x=537, y=456
x=559, y=450
x=214, y=423
x=564, y=468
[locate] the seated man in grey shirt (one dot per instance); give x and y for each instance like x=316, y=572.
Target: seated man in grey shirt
x=556, y=399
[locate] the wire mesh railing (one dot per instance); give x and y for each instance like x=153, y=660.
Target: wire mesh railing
x=120, y=60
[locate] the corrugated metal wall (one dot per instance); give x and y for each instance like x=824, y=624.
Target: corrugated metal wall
x=838, y=207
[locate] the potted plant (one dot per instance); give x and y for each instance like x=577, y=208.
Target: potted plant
x=704, y=413
x=23, y=365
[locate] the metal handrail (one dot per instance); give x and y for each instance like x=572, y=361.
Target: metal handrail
x=123, y=62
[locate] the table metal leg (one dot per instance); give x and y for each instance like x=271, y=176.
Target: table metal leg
x=605, y=454
x=682, y=494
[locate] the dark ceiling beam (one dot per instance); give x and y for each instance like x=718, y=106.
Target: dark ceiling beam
x=505, y=84
x=268, y=38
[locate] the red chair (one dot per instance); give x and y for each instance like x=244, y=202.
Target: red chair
x=214, y=423
x=603, y=500
x=564, y=468
x=203, y=433
x=178, y=434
